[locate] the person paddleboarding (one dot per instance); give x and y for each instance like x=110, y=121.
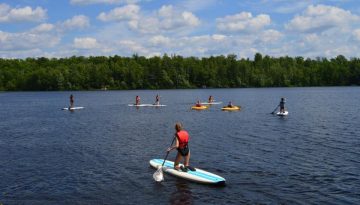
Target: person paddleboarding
x=211, y=99
x=282, y=105
x=137, y=100
x=182, y=145
x=157, y=100
x=71, y=101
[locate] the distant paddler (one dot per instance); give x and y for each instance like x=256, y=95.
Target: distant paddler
x=137, y=100
x=71, y=101
x=211, y=99
x=157, y=100
x=282, y=105
x=198, y=104
x=230, y=104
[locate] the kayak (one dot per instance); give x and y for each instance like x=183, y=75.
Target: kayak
x=282, y=113
x=211, y=103
x=199, y=176
x=146, y=105
x=199, y=108
x=234, y=108
x=73, y=108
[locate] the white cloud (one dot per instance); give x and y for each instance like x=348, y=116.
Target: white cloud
x=76, y=22
x=218, y=37
x=190, y=19
x=356, y=34
x=85, y=43
x=43, y=28
x=145, y=25
x=271, y=35
x=128, y=12
x=243, y=22
x=87, y=2
x=160, y=40
x=166, y=19
x=320, y=18
x=133, y=47
x=27, y=40
x=24, y=14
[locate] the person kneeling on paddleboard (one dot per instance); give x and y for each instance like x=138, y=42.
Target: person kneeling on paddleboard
x=182, y=146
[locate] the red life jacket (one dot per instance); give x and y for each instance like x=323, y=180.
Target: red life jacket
x=183, y=138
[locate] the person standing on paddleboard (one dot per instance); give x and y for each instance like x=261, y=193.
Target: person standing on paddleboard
x=157, y=99
x=182, y=145
x=282, y=105
x=211, y=99
x=71, y=101
x=137, y=100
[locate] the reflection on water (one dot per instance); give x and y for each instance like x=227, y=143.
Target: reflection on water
x=182, y=195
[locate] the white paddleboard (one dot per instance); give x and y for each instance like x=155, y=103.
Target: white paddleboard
x=146, y=105
x=73, y=108
x=212, y=103
x=199, y=175
x=282, y=113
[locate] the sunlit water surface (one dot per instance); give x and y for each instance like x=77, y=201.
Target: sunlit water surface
x=100, y=155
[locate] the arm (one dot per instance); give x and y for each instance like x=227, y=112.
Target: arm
x=175, y=146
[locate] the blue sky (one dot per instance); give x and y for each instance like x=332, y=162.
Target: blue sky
x=62, y=28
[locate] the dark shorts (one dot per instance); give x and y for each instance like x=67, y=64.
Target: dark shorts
x=184, y=151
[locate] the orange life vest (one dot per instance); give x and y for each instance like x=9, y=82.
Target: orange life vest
x=183, y=138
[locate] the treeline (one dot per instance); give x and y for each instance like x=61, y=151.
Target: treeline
x=137, y=72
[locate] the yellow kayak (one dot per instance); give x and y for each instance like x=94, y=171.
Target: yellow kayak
x=199, y=108
x=231, y=108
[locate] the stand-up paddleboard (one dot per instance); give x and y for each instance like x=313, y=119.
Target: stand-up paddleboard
x=73, y=108
x=155, y=105
x=282, y=113
x=211, y=103
x=146, y=105
x=199, y=175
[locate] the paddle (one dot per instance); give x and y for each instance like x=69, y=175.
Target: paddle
x=274, y=109
x=158, y=175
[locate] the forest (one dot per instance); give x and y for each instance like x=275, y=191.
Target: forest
x=171, y=72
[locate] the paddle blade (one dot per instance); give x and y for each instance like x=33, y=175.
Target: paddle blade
x=158, y=175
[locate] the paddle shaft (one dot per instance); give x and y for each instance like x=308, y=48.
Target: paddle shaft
x=167, y=154
x=275, y=109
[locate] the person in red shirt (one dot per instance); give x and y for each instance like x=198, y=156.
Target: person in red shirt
x=182, y=146
x=198, y=104
x=137, y=100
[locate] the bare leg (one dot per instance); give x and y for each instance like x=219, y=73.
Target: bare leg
x=177, y=161
x=187, y=159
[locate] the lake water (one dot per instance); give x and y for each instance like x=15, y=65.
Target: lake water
x=100, y=155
